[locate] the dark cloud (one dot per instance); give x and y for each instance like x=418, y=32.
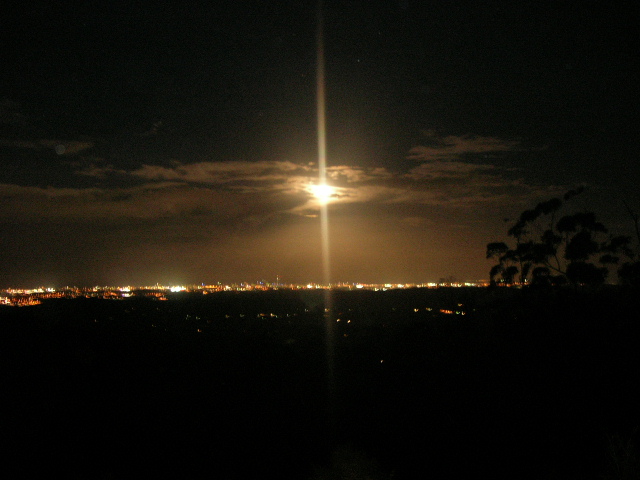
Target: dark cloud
x=266, y=188
x=60, y=147
x=451, y=147
x=232, y=173
x=11, y=114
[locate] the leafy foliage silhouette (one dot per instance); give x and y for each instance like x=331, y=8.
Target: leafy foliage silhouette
x=575, y=248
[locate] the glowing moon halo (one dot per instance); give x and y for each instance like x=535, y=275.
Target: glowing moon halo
x=322, y=192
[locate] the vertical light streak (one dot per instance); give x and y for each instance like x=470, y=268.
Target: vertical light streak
x=324, y=216
x=322, y=143
x=320, y=98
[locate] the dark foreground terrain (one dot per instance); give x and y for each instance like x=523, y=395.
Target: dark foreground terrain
x=525, y=384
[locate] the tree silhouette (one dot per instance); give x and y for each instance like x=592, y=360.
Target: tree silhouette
x=629, y=272
x=575, y=248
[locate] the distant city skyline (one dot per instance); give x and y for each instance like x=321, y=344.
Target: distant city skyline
x=18, y=297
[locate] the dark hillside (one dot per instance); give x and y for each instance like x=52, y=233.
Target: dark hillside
x=426, y=383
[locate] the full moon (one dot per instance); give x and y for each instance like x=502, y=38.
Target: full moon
x=323, y=193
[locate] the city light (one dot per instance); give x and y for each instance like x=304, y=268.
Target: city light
x=35, y=296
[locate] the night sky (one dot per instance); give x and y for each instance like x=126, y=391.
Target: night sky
x=146, y=143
